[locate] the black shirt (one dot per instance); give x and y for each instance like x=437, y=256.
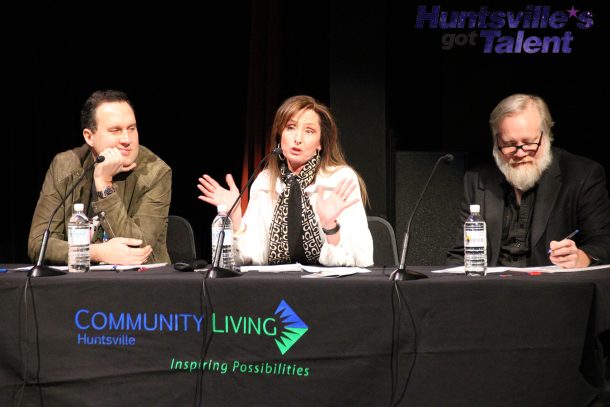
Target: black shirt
x=516, y=222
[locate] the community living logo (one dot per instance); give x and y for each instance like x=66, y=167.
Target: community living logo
x=293, y=329
x=523, y=26
x=103, y=328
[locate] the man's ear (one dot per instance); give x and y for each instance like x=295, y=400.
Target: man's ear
x=88, y=135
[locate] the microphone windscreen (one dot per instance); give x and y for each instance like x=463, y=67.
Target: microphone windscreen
x=100, y=159
x=449, y=157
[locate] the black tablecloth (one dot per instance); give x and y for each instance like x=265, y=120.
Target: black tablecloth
x=162, y=337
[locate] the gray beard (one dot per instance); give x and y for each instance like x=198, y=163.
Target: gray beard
x=521, y=178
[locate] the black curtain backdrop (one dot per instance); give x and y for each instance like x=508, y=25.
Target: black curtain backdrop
x=185, y=71
x=206, y=85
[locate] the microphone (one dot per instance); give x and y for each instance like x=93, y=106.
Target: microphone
x=400, y=273
x=219, y=272
x=40, y=270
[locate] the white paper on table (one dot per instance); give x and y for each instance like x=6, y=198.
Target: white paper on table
x=314, y=271
x=542, y=269
x=278, y=268
x=105, y=267
x=317, y=272
x=460, y=270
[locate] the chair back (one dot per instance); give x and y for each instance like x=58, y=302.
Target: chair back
x=180, y=240
x=384, y=242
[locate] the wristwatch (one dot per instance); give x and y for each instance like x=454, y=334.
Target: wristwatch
x=105, y=192
x=333, y=230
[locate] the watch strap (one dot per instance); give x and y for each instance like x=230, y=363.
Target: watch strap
x=333, y=230
x=105, y=192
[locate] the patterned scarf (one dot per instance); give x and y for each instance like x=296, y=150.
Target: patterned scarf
x=294, y=232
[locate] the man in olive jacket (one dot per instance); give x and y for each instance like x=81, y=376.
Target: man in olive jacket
x=130, y=191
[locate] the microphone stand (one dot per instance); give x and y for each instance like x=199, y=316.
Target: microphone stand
x=41, y=270
x=401, y=273
x=220, y=272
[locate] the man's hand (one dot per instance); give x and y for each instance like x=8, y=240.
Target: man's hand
x=120, y=250
x=565, y=254
x=112, y=165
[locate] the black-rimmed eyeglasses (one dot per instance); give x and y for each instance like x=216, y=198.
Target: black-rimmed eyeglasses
x=528, y=148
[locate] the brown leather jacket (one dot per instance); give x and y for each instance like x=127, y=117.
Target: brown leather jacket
x=138, y=209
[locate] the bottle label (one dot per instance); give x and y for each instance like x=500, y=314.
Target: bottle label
x=78, y=236
x=475, y=238
x=228, y=238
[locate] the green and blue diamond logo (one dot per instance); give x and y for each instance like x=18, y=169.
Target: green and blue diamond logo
x=294, y=327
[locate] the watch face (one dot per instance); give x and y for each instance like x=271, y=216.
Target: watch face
x=105, y=192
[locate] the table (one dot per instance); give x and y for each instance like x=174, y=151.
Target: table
x=163, y=337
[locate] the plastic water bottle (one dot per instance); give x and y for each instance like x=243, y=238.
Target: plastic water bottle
x=475, y=243
x=226, y=255
x=79, y=238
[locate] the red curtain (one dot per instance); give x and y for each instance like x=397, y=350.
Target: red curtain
x=262, y=85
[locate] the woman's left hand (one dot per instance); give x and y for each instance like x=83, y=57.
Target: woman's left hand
x=329, y=209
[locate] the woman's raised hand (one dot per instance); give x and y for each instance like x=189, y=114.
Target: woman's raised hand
x=329, y=209
x=215, y=194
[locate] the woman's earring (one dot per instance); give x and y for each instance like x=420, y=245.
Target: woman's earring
x=281, y=154
x=318, y=154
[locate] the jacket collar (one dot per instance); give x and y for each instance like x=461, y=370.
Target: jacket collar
x=549, y=186
x=82, y=193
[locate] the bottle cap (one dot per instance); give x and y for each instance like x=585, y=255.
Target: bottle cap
x=475, y=208
x=221, y=208
x=79, y=207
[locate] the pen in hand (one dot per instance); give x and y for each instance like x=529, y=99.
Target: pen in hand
x=571, y=235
